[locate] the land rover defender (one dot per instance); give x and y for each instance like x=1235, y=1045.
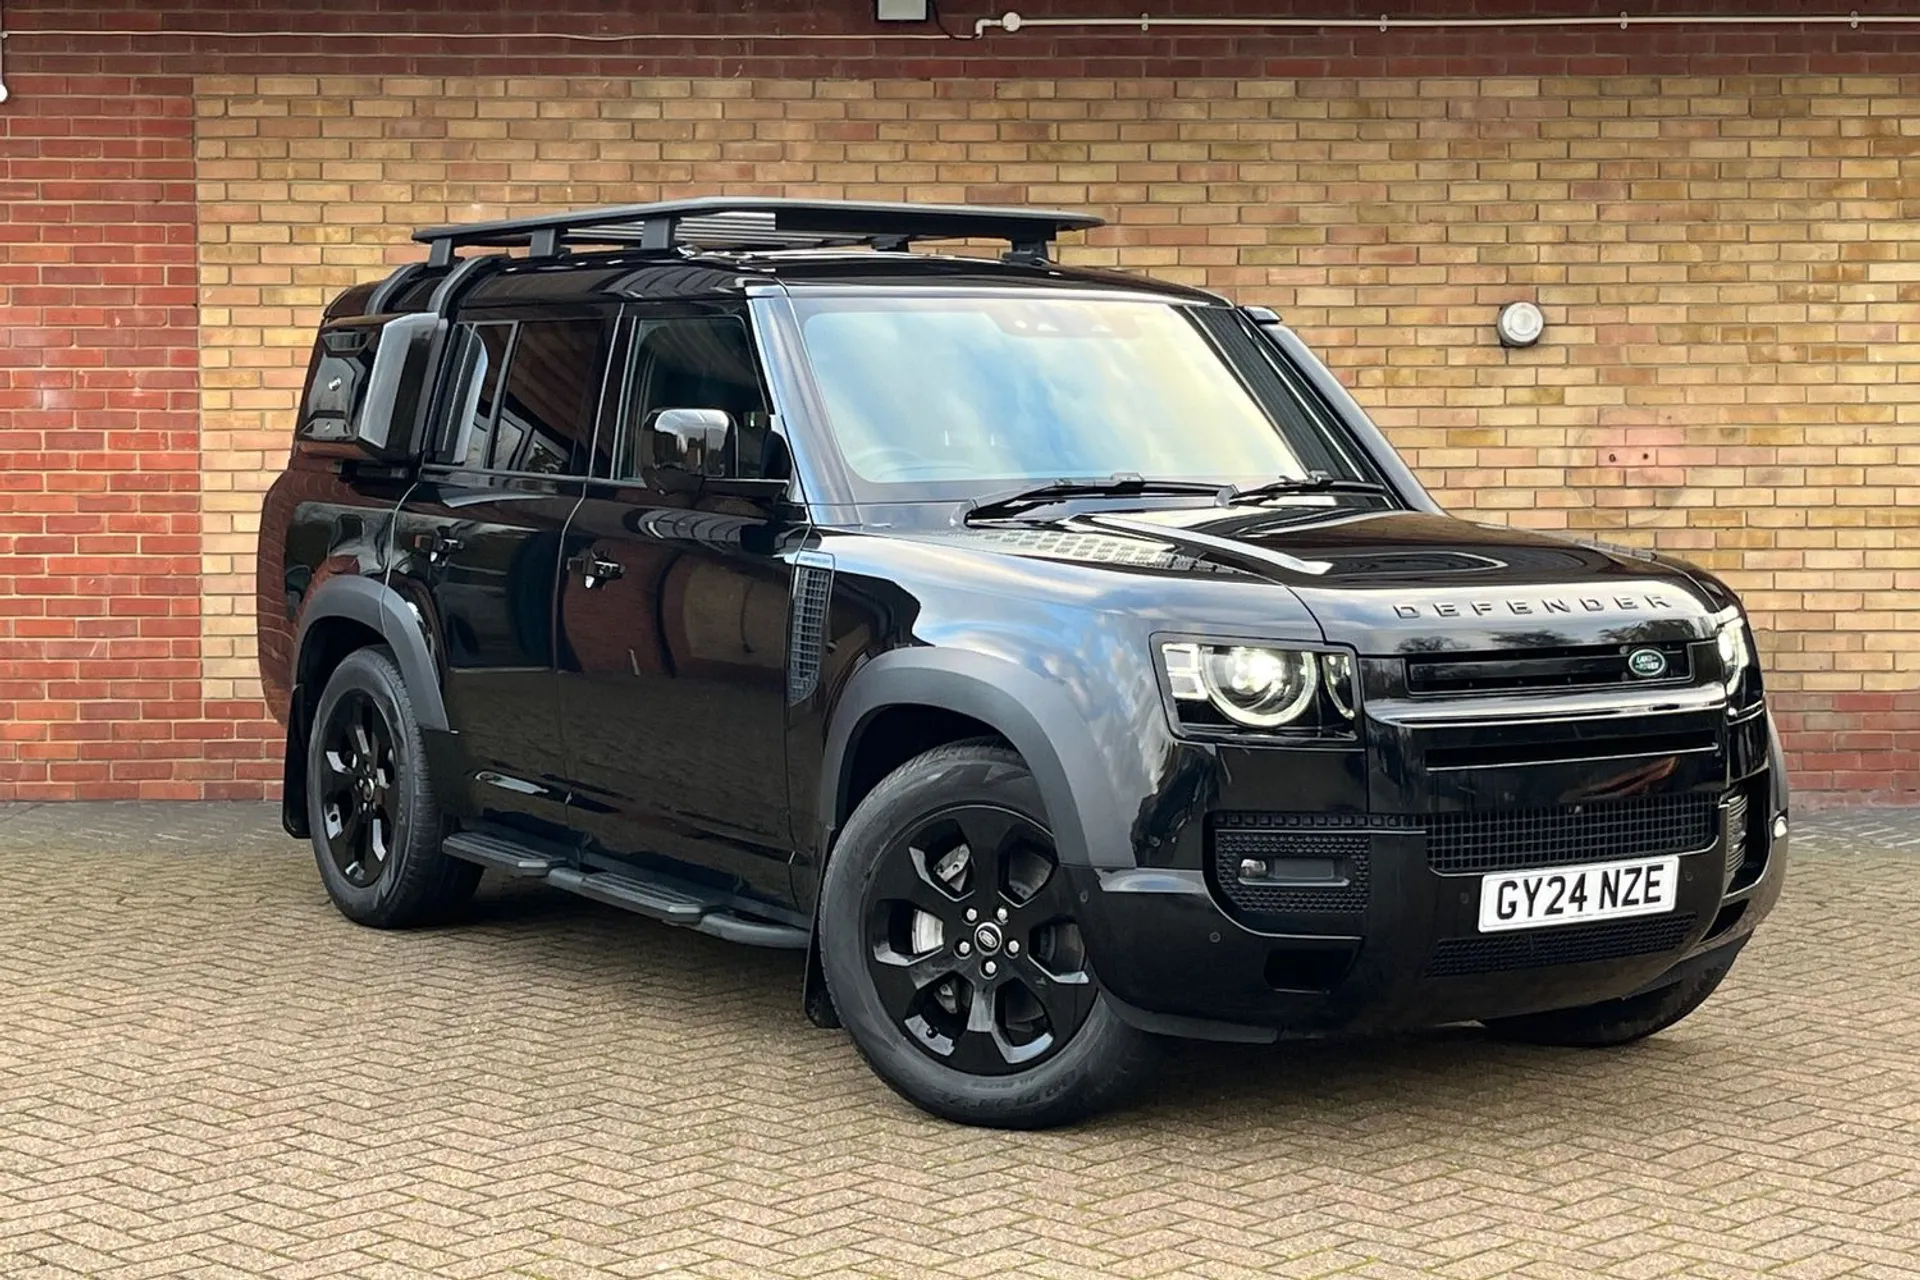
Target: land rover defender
x=1059, y=659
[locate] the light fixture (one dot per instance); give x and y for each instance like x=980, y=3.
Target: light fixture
x=1520, y=324
x=900, y=10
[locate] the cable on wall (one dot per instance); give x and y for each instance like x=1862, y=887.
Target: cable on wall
x=585, y=37
x=1011, y=22
x=579, y=37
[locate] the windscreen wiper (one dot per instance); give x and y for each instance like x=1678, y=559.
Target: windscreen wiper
x=1124, y=485
x=1312, y=482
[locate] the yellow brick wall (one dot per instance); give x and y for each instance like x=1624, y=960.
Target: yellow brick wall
x=1731, y=369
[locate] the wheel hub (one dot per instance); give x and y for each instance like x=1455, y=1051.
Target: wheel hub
x=355, y=768
x=973, y=949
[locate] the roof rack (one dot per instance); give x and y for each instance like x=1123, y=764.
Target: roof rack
x=761, y=222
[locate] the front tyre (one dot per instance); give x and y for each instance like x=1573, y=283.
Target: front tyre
x=375, y=824
x=951, y=950
x=1613, y=1022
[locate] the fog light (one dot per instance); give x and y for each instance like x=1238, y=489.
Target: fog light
x=1253, y=868
x=1780, y=827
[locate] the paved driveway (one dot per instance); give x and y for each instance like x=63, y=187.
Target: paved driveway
x=204, y=1071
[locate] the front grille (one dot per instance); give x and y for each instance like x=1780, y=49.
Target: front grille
x=1278, y=839
x=1574, y=944
x=1524, y=670
x=1507, y=840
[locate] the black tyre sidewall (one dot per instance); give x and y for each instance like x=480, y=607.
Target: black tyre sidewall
x=394, y=897
x=1088, y=1073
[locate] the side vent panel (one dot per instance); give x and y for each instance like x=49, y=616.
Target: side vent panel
x=807, y=630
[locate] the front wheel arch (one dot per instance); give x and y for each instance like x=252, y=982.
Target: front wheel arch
x=1011, y=702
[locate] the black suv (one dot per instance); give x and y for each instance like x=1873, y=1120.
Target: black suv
x=1059, y=658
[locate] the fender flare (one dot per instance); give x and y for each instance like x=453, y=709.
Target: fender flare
x=376, y=605
x=1031, y=712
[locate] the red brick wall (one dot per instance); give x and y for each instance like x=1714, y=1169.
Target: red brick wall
x=99, y=523
x=103, y=546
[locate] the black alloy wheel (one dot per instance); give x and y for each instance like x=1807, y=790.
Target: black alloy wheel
x=357, y=802
x=951, y=940
x=973, y=947
x=372, y=812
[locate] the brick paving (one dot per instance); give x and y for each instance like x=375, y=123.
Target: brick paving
x=205, y=1072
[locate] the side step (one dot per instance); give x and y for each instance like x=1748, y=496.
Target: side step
x=669, y=902
x=658, y=901
x=495, y=854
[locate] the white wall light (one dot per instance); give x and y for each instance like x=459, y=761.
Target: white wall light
x=1519, y=324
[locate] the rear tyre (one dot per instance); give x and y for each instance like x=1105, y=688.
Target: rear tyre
x=1613, y=1022
x=375, y=825
x=950, y=947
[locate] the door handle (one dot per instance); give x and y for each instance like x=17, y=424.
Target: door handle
x=595, y=570
x=437, y=545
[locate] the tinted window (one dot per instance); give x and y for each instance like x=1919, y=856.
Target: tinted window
x=547, y=401
x=968, y=389
x=480, y=356
x=699, y=362
x=529, y=392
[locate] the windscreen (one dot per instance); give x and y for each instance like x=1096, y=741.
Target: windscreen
x=934, y=390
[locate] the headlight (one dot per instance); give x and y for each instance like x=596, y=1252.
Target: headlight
x=1734, y=654
x=1258, y=686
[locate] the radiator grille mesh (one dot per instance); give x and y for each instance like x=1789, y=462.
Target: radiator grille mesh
x=1570, y=944
x=1511, y=839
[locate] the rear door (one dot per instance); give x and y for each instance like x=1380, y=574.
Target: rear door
x=672, y=634
x=478, y=549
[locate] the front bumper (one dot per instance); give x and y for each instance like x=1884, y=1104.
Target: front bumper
x=1401, y=949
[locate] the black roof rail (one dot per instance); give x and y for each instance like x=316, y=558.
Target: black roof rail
x=760, y=222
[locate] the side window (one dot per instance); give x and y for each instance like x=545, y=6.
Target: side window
x=699, y=362
x=481, y=354
x=549, y=397
x=527, y=394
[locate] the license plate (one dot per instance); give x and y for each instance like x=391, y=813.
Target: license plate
x=1569, y=895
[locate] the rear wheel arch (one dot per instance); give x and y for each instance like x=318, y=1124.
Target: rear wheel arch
x=374, y=607
x=344, y=615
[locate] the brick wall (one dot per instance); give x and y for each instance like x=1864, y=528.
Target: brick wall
x=1717, y=224
x=100, y=608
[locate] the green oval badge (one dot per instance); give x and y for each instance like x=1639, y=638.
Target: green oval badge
x=1648, y=664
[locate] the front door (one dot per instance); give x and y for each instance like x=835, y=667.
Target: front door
x=672, y=633
x=478, y=551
